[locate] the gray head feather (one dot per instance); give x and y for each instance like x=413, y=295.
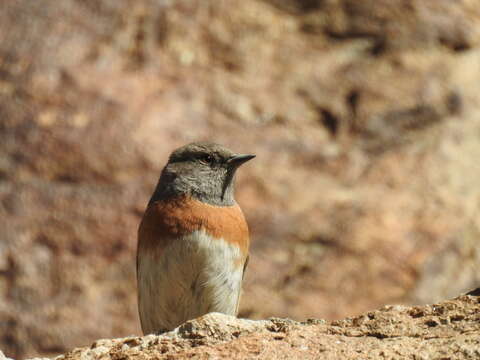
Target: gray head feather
x=205, y=171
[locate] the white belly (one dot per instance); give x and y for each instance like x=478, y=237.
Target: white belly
x=193, y=276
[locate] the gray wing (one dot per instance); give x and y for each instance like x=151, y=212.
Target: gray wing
x=239, y=295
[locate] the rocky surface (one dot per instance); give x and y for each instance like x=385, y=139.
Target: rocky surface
x=364, y=116
x=449, y=330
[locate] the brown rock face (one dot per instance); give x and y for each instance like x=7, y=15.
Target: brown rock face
x=449, y=330
x=363, y=115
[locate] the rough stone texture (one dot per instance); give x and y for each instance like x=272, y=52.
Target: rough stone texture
x=3, y=357
x=364, y=116
x=449, y=330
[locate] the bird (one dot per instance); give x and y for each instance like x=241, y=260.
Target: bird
x=193, y=239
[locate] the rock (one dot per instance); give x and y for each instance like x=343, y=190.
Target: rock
x=217, y=326
x=363, y=114
x=3, y=357
x=448, y=330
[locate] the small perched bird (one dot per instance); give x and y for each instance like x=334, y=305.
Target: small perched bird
x=193, y=239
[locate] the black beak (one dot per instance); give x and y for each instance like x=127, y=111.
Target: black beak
x=233, y=163
x=237, y=160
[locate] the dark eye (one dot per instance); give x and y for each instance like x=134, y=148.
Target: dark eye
x=206, y=159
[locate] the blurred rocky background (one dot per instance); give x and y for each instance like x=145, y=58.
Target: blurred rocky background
x=364, y=115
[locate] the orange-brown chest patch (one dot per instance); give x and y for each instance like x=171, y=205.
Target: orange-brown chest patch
x=166, y=220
